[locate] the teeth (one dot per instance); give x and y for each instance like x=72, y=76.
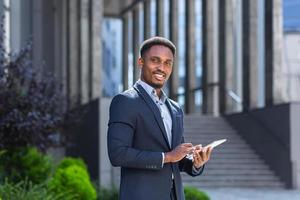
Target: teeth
x=159, y=76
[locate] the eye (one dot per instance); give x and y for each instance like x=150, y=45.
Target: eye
x=155, y=60
x=169, y=64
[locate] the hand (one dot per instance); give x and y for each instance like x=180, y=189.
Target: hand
x=178, y=153
x=201, y=155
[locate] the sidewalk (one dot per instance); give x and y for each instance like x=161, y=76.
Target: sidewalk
x=252, y=194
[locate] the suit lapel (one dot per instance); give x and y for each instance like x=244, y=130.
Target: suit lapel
x=154, y=109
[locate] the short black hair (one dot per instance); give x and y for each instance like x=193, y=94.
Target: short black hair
x=147, y=44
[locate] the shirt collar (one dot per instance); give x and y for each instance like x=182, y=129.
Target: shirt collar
x=151, y=91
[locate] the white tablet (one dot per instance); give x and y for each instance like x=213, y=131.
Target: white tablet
x=213, y=145
x=216, y=143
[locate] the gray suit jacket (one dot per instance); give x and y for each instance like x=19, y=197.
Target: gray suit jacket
x=136, y=139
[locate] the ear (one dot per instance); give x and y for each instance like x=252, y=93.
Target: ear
x=140, y=62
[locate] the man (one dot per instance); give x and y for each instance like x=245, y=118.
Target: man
x=145, y=133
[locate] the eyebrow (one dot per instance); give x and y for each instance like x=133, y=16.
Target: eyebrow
x=160, y=58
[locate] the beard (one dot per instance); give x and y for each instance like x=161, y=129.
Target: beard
x=150, y=79
x=156, y=85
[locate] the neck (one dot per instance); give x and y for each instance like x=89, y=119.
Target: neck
x=157, y=89
x=158, y=92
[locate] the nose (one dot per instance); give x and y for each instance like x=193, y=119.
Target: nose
x=160, y=68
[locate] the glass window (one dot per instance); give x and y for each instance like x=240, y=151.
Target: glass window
x=130, y=52
x=5, y=12
x=291, y=48
x=153, y=17
x=291, y=15
x=141, y=21
x=167, y=18
x=112, y=72
x=166, y=31
x=181, y=51
x=198, y=54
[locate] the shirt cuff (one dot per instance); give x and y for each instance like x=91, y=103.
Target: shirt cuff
x=196, y=171
x=163, y=159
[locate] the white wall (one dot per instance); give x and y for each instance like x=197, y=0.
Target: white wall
x=109, y=175
x=291, y=64
x=105, y=166
x=295, y=140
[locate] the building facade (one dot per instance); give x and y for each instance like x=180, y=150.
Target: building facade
x=234, y=56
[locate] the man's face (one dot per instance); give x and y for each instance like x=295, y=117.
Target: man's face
x=156, y=65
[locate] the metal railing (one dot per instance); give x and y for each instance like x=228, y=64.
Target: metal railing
x=236, y=98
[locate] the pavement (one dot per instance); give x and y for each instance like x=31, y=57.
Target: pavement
x=252, y=194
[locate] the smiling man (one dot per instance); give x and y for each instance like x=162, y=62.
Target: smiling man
x=145, y=132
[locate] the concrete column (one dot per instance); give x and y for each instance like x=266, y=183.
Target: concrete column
x=190, y=82
x=60, y=43
x=246, y=57
x=57, y=5
x=48, y=36
x=229, y=54
x=1, y=7
x=253, y=54
x=251, y=51
x=210, y=53
x=84, y=43
x=238, y=70
x=125, y=52
x=274, y=81
x=74, y=53
x=174, y=78
x=135, y=42
x=250, y=54
x=37, y=31
x=226, y=55
x=147, y=19
x=43, y=31
x=159, y=17
x=222, y=58
x=96, y=49
x=17, y=21
x=62, y=22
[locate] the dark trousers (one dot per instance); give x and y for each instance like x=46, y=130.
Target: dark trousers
x=173, y=193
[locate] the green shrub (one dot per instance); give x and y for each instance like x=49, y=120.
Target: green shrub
x=192, y=193
x=73, y=177
x=68, y=161
x=17, y=164
x=108, y=194
x=26, y=190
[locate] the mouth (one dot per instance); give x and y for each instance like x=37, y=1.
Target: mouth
x=159, y=76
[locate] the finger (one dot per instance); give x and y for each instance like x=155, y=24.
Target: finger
x=203, y=154
x=189, y=149
x=198, y=147
x=201, y=159
x=197, y=157
x=208, y=152
x=187, y=144
x=196, y=161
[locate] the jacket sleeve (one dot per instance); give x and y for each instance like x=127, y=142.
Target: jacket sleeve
x=186, y=165
x=120, y=137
